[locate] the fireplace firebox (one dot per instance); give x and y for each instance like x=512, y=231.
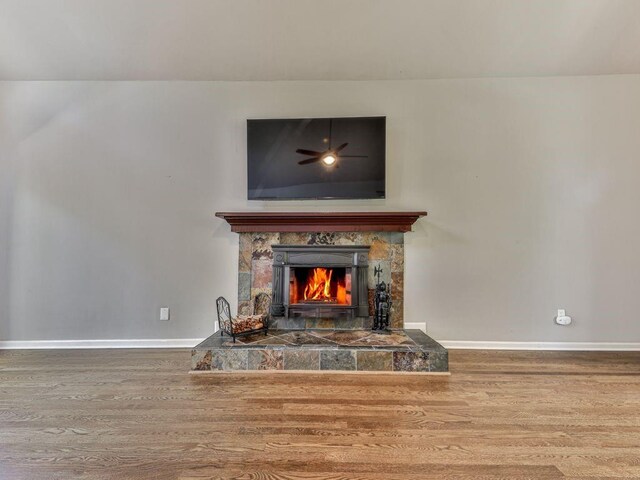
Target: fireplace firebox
x=320, y=281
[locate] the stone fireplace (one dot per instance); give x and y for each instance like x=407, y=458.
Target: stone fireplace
x=318, y=268
x=279, y=263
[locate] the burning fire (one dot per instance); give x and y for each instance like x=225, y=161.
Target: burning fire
x=318, y=287
x=319, y=284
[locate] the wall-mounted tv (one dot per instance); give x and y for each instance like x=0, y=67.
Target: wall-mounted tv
x=316, y=158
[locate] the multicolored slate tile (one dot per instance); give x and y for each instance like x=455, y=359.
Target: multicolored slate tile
x=396, y=256
x=245, y=253
x=261, y=245
x=305, y=338
x=375, y=360
x=439, y=361
x=201, y=360
x=265, y=359
x=382, y=340
x=302, y=359
x=261, y=273
x=379, y=249
x=411, y=361
x=337, y=360
x=244, y=286
x=229, y=359
x=343, y=337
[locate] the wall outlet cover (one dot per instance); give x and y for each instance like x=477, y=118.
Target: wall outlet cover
x=164, y=313
x=563, y=320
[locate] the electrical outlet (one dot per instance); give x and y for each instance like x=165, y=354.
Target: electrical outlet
x=164, y=313
x=562, y=318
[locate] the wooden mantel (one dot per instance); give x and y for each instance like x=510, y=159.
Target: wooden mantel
x=320, y=221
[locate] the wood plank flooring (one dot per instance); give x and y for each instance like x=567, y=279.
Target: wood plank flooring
x=138, y=414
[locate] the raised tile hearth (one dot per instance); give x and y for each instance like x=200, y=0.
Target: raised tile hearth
x=408, y=351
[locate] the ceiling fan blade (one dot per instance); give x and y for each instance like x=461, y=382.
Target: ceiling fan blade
x=341, y=147
x=354, y=156
x=307, y=161
x=308, y=152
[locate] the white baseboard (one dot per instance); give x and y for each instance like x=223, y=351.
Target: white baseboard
x=133, y=343
x=577, y=346
x=491, y=345
x=416, y=326
x=191, y=342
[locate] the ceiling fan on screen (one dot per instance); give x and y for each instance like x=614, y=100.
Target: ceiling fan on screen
x=329, y=156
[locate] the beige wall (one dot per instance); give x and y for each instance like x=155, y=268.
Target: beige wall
x=107, y=192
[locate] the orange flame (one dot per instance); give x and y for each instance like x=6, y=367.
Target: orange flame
x=319, y=284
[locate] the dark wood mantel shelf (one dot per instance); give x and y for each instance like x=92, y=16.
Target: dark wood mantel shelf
x=320, y=221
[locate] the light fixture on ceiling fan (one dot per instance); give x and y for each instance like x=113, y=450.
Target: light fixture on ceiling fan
x=329, y=156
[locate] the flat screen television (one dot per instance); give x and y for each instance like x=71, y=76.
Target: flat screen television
x=316, y=158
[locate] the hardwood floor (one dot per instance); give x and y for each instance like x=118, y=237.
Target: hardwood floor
x=138, y=414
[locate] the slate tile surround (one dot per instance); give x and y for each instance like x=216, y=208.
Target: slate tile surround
x=255, y=270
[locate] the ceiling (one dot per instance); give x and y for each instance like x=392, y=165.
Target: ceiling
x=315, y=39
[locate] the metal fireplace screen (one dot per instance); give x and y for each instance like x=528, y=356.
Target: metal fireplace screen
x=320, y=281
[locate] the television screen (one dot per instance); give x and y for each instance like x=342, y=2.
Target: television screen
x=316, y=158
